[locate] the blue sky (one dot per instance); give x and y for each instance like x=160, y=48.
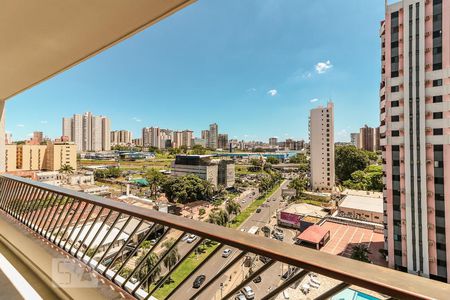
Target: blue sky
x=256, y=67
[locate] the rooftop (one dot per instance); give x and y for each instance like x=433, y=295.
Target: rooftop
x=367, y=203
x=313, y=234
x=306, y=210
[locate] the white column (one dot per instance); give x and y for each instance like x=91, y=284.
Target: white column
x=2, y=136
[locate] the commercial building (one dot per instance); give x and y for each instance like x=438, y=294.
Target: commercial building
x=415, y=136
x=321, y=136
x=121, y=137
x=216, y=171
x=300, y=216
x=362, y=207
x=88, y=132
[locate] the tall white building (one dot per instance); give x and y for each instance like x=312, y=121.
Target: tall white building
x=321, y=137
x=415, y=136
x=88, y=132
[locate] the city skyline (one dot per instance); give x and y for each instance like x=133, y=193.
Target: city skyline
x=275, y=76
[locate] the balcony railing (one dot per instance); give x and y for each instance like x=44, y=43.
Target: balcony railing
x=88, y=228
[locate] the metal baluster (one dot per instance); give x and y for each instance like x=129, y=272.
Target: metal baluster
x=67, y=213
x=285, y=284
x=220, y=273
x=47, y=212
x=162, y=281
x=23, y=212
x=54, y=232
x=82, y=227
x=147, y=235
x=58, y=200
x=50, y=213
x=114, y=241
x=76, y=224
x=36, y=210
x=74, y=210
x=42, y=209
x=96, y=234
x=144, y=258
x=89, y=230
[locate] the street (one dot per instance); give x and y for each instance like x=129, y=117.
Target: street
x=235, y=274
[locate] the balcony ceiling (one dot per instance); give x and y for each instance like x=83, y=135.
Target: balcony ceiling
x=39, y=39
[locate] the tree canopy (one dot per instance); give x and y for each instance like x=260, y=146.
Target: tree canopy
x=348, y=160
x=187, y=188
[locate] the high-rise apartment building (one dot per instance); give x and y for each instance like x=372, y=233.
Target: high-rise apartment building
x=177, y=140
x=88, y=132
x=213, y=137
x=121, y=137
x=354, y=139
x=368, y=138
x=273, y=141
x=321, y=136
x=151, y=137
x=415, y=136
x=222, y=141
x=187, y=138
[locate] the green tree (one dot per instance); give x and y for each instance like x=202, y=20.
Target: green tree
x=148, y=265
x=173, y=256
x=348, y=160
x=256, y=164
x=219, y=217
x=187, y=188
x=361, y=252
x=155, y=180
x=198, y=150
x=272, y=160
x=299, y=158
x=232, y=207
x=299, y=184
x=66, y=169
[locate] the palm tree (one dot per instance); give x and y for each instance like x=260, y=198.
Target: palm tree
x=361, y=252
x=173, y=256
x=232, y=207
x=150, y=262
x=219, y=217
x=66, y=170
x=155, y=179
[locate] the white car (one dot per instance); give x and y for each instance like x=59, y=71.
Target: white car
x=191, y=238
x=226, y=252
x=248, y=292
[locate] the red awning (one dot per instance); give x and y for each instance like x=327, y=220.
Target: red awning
x=313, y=234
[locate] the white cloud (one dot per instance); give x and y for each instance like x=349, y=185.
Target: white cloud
x=44, y=122
x=20, y=125
x=313, y=100
x=137, y=119
x=322, y=67
x=272, y=93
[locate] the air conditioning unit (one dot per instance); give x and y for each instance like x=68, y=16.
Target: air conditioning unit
x=427, y=50
x=430, y=226
x=429, y=177
x=431, y=259
x=403, y=205
x=427, y=18
x=403, y=221
x=403, y=237
x=431, y=242
x=427, y=34
x=430, y=193
x=430, y=210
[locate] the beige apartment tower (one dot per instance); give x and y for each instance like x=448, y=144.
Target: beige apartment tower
x=321, y=136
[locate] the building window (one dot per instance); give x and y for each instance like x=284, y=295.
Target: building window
x=395, y=133
x=395, y=118
x=395, y=88
x=438, y=131
x=395, y=103
x=437, y=82
x=438, y=115
x=437, y=99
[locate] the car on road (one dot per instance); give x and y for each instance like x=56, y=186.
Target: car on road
x=264, y=259
x=226, y=252
x=257, y=279
x=278, y=235
x=199, y=281
x=258, y=210
x=185, y=237
x=248, y=292
x=191, y=238
x=240, y=296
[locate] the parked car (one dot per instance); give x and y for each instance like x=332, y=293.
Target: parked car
x=278, y=235
x=264, y=259
x=191, y=238
x=248, y=292
x=240, y=296
x=257, y=279
x=199, y=281
x=226, y=252
x=258, y=210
